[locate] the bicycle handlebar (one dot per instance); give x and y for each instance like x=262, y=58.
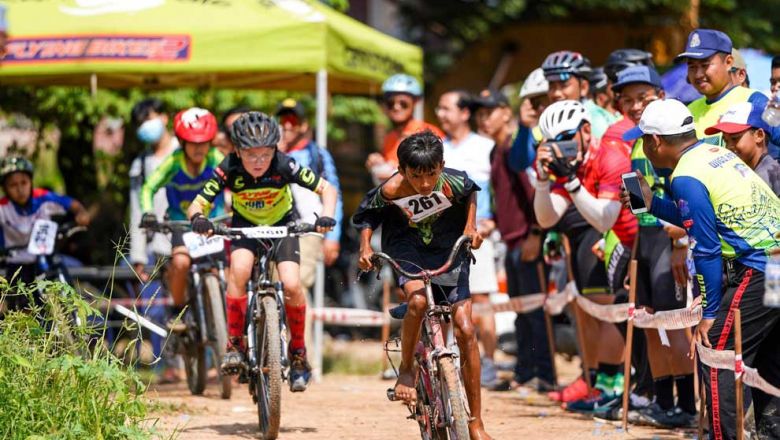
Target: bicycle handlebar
x=463, y=241
x=272, y=232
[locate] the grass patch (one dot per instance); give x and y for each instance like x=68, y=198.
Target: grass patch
x=57, y=379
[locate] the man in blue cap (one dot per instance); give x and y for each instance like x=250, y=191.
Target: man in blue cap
x=708, y=53
x=662, y=275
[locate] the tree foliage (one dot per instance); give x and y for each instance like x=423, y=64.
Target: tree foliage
x=445, y=27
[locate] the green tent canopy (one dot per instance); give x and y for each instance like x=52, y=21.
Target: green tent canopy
x=270, y=44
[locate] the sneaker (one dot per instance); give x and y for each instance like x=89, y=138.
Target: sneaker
x=614, y=411
x=488, y=375
x=575, y=391
x=300, y=371
x=596, y=403
x=671, y=418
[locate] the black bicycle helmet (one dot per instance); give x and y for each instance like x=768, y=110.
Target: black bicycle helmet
x=15, y=165
x=598, y=79
x=622, y=58
x=255, y=129
x=562, y=65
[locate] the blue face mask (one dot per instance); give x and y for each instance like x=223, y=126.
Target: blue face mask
x=151, y=131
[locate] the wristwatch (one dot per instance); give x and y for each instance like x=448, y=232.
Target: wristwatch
x=573, y=185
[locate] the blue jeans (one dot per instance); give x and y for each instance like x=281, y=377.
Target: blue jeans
x=533, y=353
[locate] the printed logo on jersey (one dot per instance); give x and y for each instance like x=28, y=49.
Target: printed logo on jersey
x=211, y=188
x=307, y=176
x=239, y=182
x=742, y=169
x=293, y=166
x=682, y=206
x=688, y=223
x=721, y=160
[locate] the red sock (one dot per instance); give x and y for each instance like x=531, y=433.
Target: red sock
x=236, y=315
x=296, y=320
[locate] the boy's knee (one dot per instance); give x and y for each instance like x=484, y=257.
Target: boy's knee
x=417, y=305
x=180, y=262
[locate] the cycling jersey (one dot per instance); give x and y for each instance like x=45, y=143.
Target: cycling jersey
x=600, y=174
x=600, y=118
x=180, y=186
x=706, y=113
x=394, y=137
x=728, y=211
x=419, y=228
x=265, y=200
x=17, y=221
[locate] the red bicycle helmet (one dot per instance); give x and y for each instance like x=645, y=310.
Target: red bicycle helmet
x=195, y=125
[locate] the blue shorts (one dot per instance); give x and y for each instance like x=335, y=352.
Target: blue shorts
x=452, y=292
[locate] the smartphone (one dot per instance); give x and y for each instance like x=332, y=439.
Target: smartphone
x=568, y=148
x=636, y=199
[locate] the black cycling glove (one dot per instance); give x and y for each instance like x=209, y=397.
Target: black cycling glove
x=201, y=225
x=325, y=222
x=561, y=167
x=148, y=220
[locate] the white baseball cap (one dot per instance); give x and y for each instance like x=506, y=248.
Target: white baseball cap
x=662, y=117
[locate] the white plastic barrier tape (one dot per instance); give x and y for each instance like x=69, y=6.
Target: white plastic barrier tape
x=669, y=320
x=604, y=312
x=520, y=304
x=349, y=317
x=556, y=302
x=728, y=360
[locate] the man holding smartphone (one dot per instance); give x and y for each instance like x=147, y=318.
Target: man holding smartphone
x=733, y=219
x=584, y=204
x=662, y=273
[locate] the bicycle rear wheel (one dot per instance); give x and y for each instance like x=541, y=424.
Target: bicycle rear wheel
x=268, y=380
x=218, y=332
x=453, y=399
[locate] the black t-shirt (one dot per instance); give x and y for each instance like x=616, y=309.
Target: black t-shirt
x=420, y=229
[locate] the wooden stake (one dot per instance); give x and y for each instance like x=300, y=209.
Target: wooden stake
x=548, y=323
x=629, y=343
x=738, y=381
x=385, y=313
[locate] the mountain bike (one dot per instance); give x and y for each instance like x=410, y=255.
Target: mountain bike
x=204, y=316
x=266, y=327
x=442, y=410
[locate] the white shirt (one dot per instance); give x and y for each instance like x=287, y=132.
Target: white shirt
x=472, y=155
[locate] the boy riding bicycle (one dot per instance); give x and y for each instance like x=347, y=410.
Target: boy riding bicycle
x=183, y=174
x=19, y=209
x=259, y=177
x=424, y=208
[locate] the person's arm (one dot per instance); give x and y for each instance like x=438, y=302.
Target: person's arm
x=365, y=249
x=80, y=213
x=138, y=255
x=161, y=176
x=600, y=213
x=471, y=222
x=330, y=173
x=211, y=189
x=548, y=206
x=665, y=210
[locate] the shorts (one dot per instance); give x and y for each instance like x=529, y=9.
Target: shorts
x=617, y=268
x=655, y=286
x=286, y=249
x=483, y=273
x=177, y=238
x=590, y=275
x=453, y=286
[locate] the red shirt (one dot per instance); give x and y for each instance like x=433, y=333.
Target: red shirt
x=394, y=137
x=600, y=176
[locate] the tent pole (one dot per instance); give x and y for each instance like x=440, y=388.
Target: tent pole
x=93, y=85
x=319, y=286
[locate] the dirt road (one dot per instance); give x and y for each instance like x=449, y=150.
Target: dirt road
x=355, y=407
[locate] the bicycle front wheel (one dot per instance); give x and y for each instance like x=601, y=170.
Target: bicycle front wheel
x=453, y=400
x=268, y=380
x=216, y=316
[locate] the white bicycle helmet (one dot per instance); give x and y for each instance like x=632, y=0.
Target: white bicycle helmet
x=562, y=117
x=536, y=84
x=402, y=83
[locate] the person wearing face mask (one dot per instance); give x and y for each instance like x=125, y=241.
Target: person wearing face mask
x=150, y=118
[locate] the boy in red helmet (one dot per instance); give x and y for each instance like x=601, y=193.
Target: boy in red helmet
x=183, y=174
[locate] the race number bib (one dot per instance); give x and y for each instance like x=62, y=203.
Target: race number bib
x=200, y=246
x=419, y=207
x=42, y=237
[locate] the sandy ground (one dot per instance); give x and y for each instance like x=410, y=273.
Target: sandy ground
x=355, y=407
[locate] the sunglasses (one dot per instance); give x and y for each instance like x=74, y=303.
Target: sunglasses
x=403, y=103
x=289, y=119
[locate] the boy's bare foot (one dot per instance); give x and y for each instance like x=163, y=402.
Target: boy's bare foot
x=404, y=388
x=477, y=430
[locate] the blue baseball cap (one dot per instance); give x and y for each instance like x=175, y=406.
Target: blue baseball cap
x=704, y=43
x=637, y=75
x=738, y=118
